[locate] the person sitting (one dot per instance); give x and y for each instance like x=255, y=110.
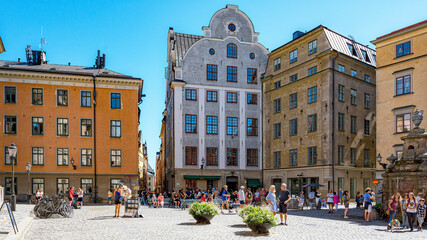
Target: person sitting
x=155, y=201
x=203, y=198
x=160, y=200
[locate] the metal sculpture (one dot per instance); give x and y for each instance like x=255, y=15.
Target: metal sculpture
x=53, y=205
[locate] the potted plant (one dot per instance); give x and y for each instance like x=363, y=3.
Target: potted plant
x=260, y=220
x=203, y=212
x=245, y=211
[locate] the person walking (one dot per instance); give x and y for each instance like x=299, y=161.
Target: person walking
x=117, y=201
x=284, y=198
x=257, y=198
x=225, y=195
x=336, y=200
x=368, y=204
x=330, y=201
x=39, y=195
x=318, y=202
x=242, y=195
x=109, y=196
x=346, y=201
x=395, y=200
x=70, y=196
x=249, y=197
x=80, y=197
x=271, y=200
x=411, y=210
x=405, y=223
x=262, y=194
x=421, y=213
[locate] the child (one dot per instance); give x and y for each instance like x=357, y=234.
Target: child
x=336, y=200
x=421, y=213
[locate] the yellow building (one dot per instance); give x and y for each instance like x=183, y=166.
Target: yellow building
x=401, y=86
x=319, y=113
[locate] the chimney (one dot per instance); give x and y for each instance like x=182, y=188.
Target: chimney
x=19, y=59
x=297, y=34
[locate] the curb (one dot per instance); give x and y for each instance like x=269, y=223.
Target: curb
x=22, y=227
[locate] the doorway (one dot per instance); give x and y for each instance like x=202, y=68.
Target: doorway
x=231, y=182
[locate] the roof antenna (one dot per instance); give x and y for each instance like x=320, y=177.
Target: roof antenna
x=42, y=40
x=352, y=38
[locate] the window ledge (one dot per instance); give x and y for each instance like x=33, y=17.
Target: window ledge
x=409, y=54
x=403, y=94
x=397, y=133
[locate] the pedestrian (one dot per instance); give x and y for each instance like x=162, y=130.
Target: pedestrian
x=420, y=195
x=405, y=223
x=70, y=196
x=318, y=202
x=249, y=197
x=330, y=201
x=301, y=200
x=271, y=200
x=257, y=198
x=341, y=193
x=367, y=197
x=117, y=201
x=284, y=198
x=242, y=194
x=262, y=194
x=161, y=200
x=336, y=200
x=39, y=195
x=155, y=201
x=421, y=213
x=346, y=201
x=358, y=198
x=80, y=197
x=203, y=198
x=225, y=195
x=411, y=210
x=216, y=194
x=395, y=200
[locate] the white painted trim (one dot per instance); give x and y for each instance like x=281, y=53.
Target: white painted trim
x=222, y=129
x=202, y=126
x=64, y=83
x=229, y=89
x=178, y=127
x=242, y=130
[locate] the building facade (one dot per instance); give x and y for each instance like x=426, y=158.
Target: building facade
x=77, y=126
x=401, y=67
x=142, y=161
x=319, y=113
x=160, y=160
x=213, y=103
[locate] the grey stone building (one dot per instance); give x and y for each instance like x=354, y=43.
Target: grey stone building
x=213, y=102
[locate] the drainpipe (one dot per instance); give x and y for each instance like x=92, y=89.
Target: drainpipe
x=94, y=138
x=333, y=123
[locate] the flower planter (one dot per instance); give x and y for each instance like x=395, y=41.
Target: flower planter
x=203, y=219
x=260, y=228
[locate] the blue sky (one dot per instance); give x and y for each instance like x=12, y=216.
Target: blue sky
x=133, y=34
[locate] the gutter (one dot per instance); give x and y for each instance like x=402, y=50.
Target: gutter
x=94, y=137
x=333, y=122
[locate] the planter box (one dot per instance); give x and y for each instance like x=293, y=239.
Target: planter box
x=203, y=219
x=259, y=227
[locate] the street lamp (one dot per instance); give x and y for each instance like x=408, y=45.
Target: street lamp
x=13, y=150
x=28, y=167
x=379, y=159
x=203, y=163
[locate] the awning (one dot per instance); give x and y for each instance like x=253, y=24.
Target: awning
x=254, y=183
x=201, y=177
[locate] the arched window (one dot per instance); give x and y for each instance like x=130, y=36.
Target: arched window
x=231, y=50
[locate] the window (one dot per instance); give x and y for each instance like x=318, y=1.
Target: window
x=312, y=155
x=190, y=155
x=37, y=96
x=276, y=105
x=86, y=127
x=212, y=96
x=252, y=55
x=116, y=102
x=252, y=127
x=293, y=78
x=293, y=56
x=353, y=124
x=312, y=47
x=276, y=85
x=366, y=159
x=232, y=97
x=116, y=157
x=232, y=27
x=8, y=186
x=403, y=85
x=293, y=157
x=341, y=122
x=190, y=123
x=367, y=100
x=86, y=185
x=10, y=124
x=211, y=51
x=62, y=127
x=353, y=73
x=293, y=101
x=115, y=183
x=191, y=184
x=366, y=129
x=367, y=78
x=252, y=98
x=365, y=55
x=353, y=95
x=86, y=98
x=277, y=130
x=62, y=185
x=375, y=57
x=86, y=157
x=62, y=97
x=7, y=160
x=231, y=74
x=231, y=50
x=252, y=75
x=37, y=156
x=353, y=156
x=276, y=64
x=9, y=94
x=212, y=156
x=232, y=157
x=231, y=126
x=341, y=183
x=62, y=155
x=277, y=159
x=403, y=123
x=252, y=157
x=211, y=124
x=212, y=72
x=37, y=184
x=341, y=93
x=340, y=154
x=37, y=125
x=115, y=128
x=352, y=49
x=191, y=94
x=341, y=68
x=366, y=183
x=312, y=95
x=312, y=123
x=312, y=70
x=403, y=49
x=293, y=127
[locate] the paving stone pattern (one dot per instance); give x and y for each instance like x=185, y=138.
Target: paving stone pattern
x=22, y=211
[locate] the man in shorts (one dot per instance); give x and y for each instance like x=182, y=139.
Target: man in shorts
x=368, y=203
x=225, y=195
x=284, y=198
x=70, y=196
x=242, y=197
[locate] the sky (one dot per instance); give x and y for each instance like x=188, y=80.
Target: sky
x=133, y=34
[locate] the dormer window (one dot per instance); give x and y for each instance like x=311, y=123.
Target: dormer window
x=231, y=50
x=352, y=49
x=365, y=56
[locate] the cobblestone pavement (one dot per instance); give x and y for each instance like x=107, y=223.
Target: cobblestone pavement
x=96, y=222
x=22, y=211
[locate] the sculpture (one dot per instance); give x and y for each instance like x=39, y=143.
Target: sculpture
x=53, y=205
x=417, y=118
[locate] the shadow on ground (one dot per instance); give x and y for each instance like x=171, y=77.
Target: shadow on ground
x=249, y=234
x=101, y=218
x=239, y=226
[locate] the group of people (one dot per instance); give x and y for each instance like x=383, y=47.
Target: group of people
x=39, y=195
x=413, y=210
x=75, y=195
x=279, y=204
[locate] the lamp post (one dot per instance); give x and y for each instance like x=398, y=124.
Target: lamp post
x=28, y=167
x=13, y=150
x=379, y=159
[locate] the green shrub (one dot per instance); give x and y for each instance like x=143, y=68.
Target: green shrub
x=259, y=215
x=199, y=208
x=245, y=211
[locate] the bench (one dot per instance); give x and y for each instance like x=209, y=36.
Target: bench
x=185, y=203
